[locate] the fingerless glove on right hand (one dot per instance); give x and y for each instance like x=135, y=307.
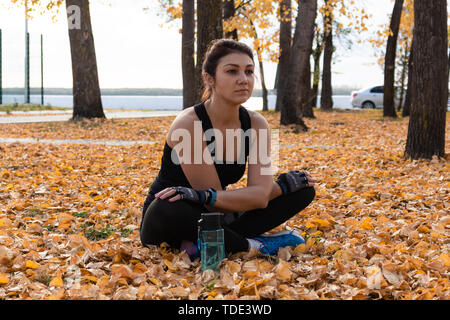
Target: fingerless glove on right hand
x=292, y=181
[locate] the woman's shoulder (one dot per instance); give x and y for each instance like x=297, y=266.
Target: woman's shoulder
x=183, y=121
x=257, y=119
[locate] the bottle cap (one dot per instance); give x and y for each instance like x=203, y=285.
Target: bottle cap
x=211, y=221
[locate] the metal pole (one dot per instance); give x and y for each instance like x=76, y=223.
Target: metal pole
x=1, y=85
x=42, y=69
x=27, y=57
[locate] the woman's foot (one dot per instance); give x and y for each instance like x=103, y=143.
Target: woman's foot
x=190, y=248
x=271, y=243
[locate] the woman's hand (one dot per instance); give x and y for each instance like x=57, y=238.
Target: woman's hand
x=183, y=193
x=311, y=180
x=295, y=180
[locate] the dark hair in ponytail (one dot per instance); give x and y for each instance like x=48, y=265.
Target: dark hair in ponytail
x=218, y=49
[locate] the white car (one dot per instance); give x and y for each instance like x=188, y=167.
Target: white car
x=370, y=98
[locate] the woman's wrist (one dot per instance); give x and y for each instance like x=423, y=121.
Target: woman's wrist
x=276, y=190
x=208, y=196
x=212, y=197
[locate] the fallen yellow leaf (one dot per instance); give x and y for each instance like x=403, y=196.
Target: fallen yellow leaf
x=57, y=282
x=91, y=278
x=366, y=224
x=31, y=264
x=282, y=271
x=155, y=281
x=423, y=229
x=301, y=248
x=4, y=279
x=446, y=259
x=310, y=225
x=321, y=222
x=170, y=265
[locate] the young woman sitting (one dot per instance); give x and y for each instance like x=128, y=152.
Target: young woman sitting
x=195, y=172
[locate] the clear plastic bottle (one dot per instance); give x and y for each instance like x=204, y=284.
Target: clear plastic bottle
x=211, y=236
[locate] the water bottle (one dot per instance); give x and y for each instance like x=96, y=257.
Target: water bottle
x=211, y=237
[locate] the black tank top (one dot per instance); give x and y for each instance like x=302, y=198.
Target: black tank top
x=171, y=173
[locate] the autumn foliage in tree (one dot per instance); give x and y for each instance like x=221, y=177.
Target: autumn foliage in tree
x=404, y=44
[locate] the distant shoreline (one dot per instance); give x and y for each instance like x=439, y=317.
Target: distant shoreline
x=141, y=92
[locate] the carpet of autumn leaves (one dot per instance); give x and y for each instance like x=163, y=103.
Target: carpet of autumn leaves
x=70, y=214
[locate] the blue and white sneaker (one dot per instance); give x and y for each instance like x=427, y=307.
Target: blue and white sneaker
x=271, y=243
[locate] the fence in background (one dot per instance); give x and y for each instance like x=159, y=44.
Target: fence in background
x=27, y=68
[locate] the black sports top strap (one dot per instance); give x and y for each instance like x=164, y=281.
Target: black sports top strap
x=200, y=110
x=245, y=125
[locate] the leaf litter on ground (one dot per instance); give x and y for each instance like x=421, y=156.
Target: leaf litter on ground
x=70, y=215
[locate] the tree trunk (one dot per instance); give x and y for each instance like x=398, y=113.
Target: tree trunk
x=228, y=13
x=299, y=66
x=305, y=88
x=316, y=75
x=285, y=49
x=187, y=54
x=409, y=89
x=209, y=27
x=87, y=101
x=326, y=97
x=263, y=85
x=389, y=62
x=404, y=66
x=275, y=85
x=261, y=69
x=426, y=130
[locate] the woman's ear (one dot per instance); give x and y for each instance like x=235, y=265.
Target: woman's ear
x=208, y=80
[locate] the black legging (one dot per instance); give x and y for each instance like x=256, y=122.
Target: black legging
x=172, y=222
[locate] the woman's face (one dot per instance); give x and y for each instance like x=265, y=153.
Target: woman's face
x=234, y=78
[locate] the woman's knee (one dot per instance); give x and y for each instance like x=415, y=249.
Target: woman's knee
x=310, y=194
x=168, y=222
x=302, y=198
x=156, y=219
x=155, y=211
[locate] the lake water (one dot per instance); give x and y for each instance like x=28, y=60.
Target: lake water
x=152, y=102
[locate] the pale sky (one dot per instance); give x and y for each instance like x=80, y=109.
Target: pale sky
x=134, y=51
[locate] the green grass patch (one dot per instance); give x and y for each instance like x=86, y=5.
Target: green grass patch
x=50, y=228
x=28, y=107
x=82, y=214
x=92, y=234
x=125, y=233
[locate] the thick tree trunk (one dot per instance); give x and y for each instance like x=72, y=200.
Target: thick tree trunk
x=229, y=12
x=209, y=27
x=187, y=54
x=285, y=49
x=291, y=108
x=326, y=97
x=389, y=62
x=305, y=88
x=426, y=130
x=87, y=101
x=409, y=89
